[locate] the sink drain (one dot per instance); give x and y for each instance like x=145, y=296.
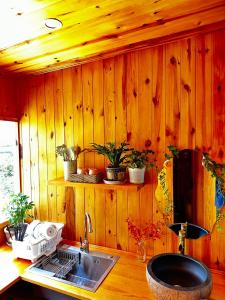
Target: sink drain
x=177, y=285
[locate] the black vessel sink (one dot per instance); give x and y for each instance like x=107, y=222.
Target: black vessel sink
x=178, y=275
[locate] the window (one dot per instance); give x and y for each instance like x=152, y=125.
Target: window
x=9, y=162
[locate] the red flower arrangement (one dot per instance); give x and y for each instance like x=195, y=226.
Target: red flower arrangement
x=150, y=231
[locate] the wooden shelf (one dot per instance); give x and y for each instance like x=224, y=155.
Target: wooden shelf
x=125, y=186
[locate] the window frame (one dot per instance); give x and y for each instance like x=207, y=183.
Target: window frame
x=4, y=221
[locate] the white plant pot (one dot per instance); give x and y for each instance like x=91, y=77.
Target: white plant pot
x=69, y=168
x=136, y=175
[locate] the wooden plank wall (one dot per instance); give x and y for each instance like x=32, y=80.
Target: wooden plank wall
x=8, y=111
x=167, y=94
x=8, y=107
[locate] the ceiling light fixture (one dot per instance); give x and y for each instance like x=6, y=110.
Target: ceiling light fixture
x=53, y=23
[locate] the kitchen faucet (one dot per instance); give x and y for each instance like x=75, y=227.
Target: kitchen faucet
x=182, y=237
x=87, y=228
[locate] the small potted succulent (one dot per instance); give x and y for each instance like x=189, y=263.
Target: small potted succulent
x=70, y=156
x=137, y=162
x=116, y=170
x=17, y=210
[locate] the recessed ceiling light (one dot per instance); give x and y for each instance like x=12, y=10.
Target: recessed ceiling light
x=53, y=23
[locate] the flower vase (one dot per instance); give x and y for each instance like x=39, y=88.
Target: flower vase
x=141, y=251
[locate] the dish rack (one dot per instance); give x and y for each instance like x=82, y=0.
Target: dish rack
x=32, y=248
x=58, y=264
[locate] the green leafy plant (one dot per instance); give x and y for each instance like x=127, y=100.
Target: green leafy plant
x=174, y=152
x=167, y=207
x=217, y=171
x=115, y=155
x=69, y=153
x=17, y=210
x=140, y=159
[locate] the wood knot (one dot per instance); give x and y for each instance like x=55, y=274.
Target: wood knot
x=64, y=124
x=192, y=130
x=148, y=143
x=134, y=93
x=161, y=21
x=219, y=88
x=178, y=115
x=128, y=136
x=155, y=100
x=158, y=138
x=173, y=60
x=51, y=134
x=168, y=131
x=187, y=88
x=111, y=36
x=147, y=81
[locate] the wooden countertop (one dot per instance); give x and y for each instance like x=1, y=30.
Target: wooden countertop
x=10, y=268
x=125, y=281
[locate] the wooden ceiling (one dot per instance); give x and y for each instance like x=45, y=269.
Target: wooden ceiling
x=93, y=29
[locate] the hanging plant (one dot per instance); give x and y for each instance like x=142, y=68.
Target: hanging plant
x=165, y=202
x=174, y=152
x=217, y=171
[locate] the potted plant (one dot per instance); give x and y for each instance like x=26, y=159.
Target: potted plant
x=17, y=210
x=70, y=156
x=137, y=162
x=115, y=171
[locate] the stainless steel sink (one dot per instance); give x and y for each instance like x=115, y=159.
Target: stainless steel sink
x=67, y=264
